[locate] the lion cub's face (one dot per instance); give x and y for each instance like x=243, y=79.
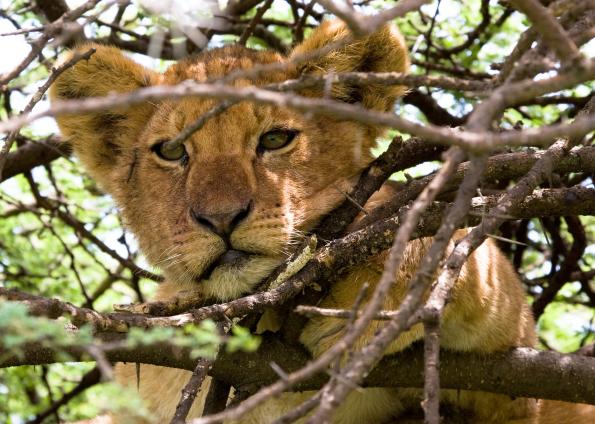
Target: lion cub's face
x=223, y=209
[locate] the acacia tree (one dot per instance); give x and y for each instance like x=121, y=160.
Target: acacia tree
x=495, y=131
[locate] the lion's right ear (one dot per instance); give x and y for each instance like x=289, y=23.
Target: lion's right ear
x=100, y=138
x=382, y=51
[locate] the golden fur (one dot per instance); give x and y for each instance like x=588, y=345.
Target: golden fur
x=288, y=191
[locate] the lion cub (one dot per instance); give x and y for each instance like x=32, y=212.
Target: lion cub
x=219, y=213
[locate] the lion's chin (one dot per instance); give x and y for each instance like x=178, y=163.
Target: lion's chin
x=231, y=281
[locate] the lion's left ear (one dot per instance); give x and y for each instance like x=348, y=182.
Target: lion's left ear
x=382, y=51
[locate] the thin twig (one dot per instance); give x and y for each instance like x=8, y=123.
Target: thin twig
x=36, y=98
x=190, y=390
x=254, y=21
x=88, y=380
x=431, y=401
x=197, y=379
x=49, y=31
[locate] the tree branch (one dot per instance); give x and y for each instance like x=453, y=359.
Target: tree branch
x=523, y=372
x=549, y=29
x=33, y=154
x=475, y=140
x=348, y=251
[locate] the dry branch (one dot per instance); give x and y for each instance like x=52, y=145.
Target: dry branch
x=32, y=154
x=353, y=373
x=190, y=390
x=399, y=156
x=471, y=140
x=519, y=372
x=549, y=29
x=499, y=169
x=339, y=254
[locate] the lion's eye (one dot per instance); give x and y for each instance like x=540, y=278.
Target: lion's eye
x=170, y=151
x=276, y=139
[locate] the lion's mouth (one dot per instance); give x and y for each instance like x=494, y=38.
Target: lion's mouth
x=230, y=259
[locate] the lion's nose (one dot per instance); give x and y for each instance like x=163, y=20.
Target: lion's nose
x=222, y=224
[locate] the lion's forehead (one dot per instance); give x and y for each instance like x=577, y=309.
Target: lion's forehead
x=220, y=62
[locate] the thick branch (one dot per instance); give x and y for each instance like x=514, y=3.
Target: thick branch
x=33, y=154
x=522, y=372
x=499, y=168
x=348, y=251
x=399, y=156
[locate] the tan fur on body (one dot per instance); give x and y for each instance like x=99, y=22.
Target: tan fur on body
x=288, y=190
